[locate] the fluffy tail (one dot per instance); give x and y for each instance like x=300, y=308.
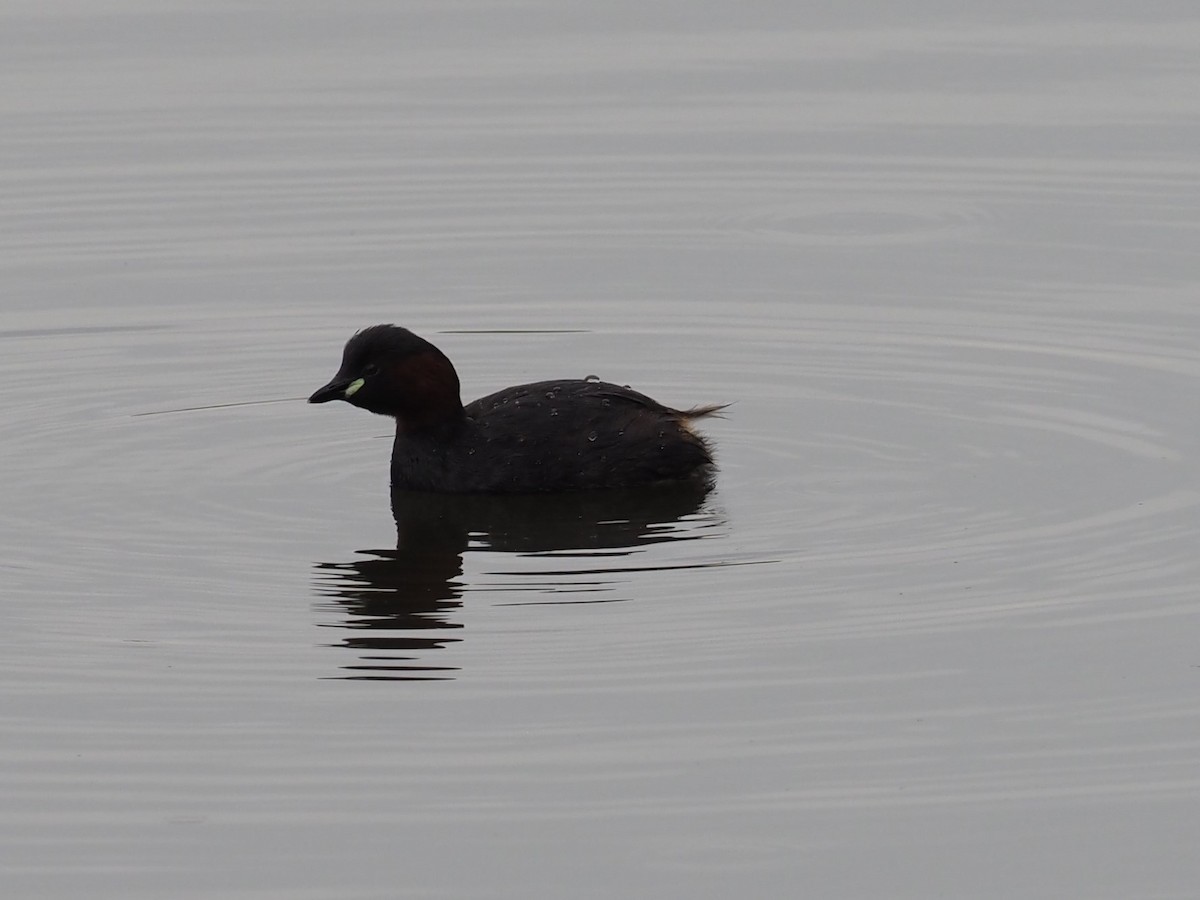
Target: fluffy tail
x=702, y=412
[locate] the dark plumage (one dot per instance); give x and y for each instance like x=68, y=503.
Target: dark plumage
x=570, y=435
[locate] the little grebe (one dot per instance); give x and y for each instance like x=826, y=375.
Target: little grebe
x=577, y=434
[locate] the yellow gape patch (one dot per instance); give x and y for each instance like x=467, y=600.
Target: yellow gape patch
x=353, y=387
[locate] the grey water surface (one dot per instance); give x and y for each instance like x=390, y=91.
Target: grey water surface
x=933, y=634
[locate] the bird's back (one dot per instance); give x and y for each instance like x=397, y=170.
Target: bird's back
x=560, y=435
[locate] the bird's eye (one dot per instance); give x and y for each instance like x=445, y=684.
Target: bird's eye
x=370, y=369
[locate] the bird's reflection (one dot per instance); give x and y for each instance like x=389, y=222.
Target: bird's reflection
x=401, y=605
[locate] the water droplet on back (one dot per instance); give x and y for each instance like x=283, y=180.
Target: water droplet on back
x=592, y=379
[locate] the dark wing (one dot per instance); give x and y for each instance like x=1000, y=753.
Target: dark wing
x=603, y=434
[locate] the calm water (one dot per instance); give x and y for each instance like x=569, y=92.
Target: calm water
x=932, y=634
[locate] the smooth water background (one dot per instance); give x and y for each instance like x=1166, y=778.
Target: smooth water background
x=933, y=634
